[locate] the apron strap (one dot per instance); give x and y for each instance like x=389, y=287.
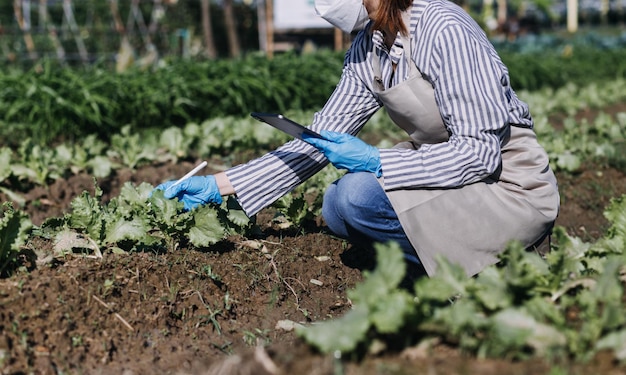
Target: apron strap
x=406, y=46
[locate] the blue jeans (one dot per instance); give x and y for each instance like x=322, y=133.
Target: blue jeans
x=357, y=209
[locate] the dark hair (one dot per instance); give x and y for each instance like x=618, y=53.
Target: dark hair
x=389, y=16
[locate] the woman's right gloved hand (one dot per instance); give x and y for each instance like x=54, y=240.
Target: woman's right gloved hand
x=193, y=192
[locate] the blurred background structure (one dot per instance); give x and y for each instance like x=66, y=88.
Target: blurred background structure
x=141, y=32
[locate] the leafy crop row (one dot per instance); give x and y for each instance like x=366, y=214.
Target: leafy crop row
x=32, y=164
x=53, y=102
x=140, y=218
x=554, y=69
x=602, y=139
x=568, y=305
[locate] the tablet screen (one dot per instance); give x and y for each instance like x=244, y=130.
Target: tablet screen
x=286, y=125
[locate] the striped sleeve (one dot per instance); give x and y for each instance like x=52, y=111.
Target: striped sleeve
x=262, y=181
x=473, y=105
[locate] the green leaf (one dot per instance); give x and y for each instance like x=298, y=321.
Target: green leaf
x=616, y=214
x=390, y=269
x=206, y=228
x=390, y=314
x=14, y=229
x=235, y=213
x=87, y=215
x=542, y=310
x=165, y=210
x=135, y=194
x=449, y=281
x=491, y=289
x=461, y=319
x=14, y=196
x=14, y=226
x=609, y=287
x=378, y=303
x=514, y=328
x=174, y=140
x=135, y=229
x=568, y=162
x=5, y=163
x=101, y=166
x=343, y=334
x=615, y=341
x=523, y=271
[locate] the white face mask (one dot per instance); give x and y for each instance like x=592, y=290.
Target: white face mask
x=348, y=15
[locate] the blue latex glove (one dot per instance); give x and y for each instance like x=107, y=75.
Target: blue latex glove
x=193, y=192
x=346, y=151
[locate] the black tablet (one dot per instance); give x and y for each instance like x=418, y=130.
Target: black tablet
x=283, y=123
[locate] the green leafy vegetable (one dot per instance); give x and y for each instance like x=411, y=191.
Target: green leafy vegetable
x=379, y=305
x=140, y=216
x=14, y=230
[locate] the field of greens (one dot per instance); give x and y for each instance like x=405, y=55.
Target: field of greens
x=101, y=275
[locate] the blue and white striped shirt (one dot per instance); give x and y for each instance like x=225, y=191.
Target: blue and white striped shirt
x=472, y=91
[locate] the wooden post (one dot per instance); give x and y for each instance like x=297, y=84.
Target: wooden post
x=5, y=46
x=260, y=15
x=338, y=39
x=117, y=19
x=25, y=27
x=502, y=12
x=572, y=16
x=209, y=44
x=269, y=27
x=231, y=29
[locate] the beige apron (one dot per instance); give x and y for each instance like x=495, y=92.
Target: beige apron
x=472, y=224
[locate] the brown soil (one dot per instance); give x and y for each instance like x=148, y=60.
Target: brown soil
x=216, y=311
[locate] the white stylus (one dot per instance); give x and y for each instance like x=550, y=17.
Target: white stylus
x=191, y=173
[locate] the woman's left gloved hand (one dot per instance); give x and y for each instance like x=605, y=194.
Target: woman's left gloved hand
x=346, y=151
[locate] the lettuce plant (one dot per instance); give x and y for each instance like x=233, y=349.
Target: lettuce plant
x=14, y=230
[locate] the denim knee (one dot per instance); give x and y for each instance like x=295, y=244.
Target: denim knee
x=348, y=199
x=356, y=208
x=333, y=213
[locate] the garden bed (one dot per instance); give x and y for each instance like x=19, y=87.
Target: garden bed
x=230, y=308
